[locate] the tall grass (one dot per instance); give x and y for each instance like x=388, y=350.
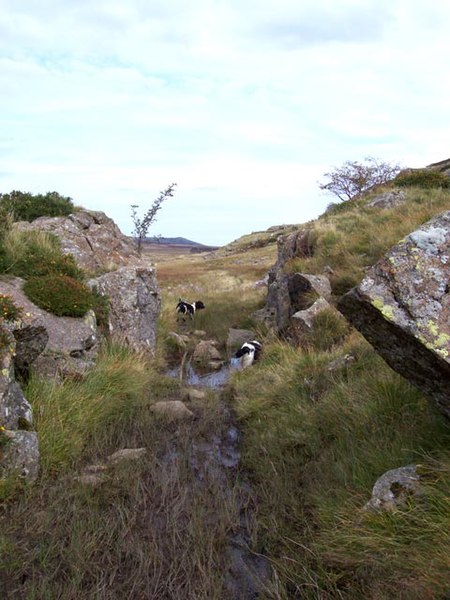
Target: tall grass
x=315, y=443
x=152, y=530
x=35, y=253
x=70, y=414
x=350, y=240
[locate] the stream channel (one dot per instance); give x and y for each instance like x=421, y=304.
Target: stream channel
x=216, y=458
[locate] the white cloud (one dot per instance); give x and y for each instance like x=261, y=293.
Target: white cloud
x=245, y=105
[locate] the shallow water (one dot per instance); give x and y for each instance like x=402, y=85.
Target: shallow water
x=215, y=459
x=213, y=379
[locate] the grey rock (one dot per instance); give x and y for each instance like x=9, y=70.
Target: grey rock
x=341, y=362
x=237, y=337
x=72, y=343
x=403, y=308
x=92, y=238
x=393, y=488
x=93, y=480
x=388, y=199
x=193, y=394
x=177, y=339
x=205, y=351
x=15, y=410
x=135, y=304
x=291, y=293
x=21, y=454
x=31, y=341
x=174, y=409
x=126, y=454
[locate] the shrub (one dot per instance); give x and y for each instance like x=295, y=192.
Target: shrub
x=8, y=310
x=59, y=294
x=27, y=207
x=422, y=178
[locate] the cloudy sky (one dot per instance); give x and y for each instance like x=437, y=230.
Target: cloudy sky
x=244, y=104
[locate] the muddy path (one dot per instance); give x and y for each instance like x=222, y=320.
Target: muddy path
x=213, y=458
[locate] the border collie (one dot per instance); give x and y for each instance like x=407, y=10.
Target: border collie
x=248, y=352
x=186, y=308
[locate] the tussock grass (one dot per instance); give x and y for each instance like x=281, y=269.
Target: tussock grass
x=35, y=253
x=153, y=530
x=357, y=236
x=69, y=415
x=315, y=443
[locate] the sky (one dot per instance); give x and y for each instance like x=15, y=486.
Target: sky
x=244, y=104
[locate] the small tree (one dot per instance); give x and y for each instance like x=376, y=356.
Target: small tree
x=141, y=226
x=352, y=179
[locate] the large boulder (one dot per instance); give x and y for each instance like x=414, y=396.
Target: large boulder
x=19, y=451
x=15, y=410
x=290, y=293
x=135, y=304
x=403, y=308
x=93, y=239
x=20, y=454
x=71, y=344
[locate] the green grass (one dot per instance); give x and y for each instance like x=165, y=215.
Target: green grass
x=315, y=442
x=357, y=236
x=152, y=531
x=35, y=253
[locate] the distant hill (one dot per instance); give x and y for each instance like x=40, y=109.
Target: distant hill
x=179, y=241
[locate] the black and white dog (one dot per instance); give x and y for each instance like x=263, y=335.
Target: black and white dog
x=248, y=352
x=186, y=308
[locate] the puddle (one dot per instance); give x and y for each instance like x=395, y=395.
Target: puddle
x=213, y=379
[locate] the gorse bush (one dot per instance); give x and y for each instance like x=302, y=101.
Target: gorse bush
x=422, y=178
x=59, y=294
x=27, y=207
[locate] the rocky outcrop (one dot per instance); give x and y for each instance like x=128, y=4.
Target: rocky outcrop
x=19, y=451
x=403, y=308
x=19, y=454
x=290, y=293
x=52, y=345
x=135, y=304
x=443, y=166
x=93, y=239
x=15, y=410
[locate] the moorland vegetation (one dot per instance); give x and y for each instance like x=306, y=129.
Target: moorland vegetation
x=314, y=441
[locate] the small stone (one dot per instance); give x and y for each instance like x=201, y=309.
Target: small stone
x=92, y=479
x=193, y=394
x=127, y=454
x=172, y=408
